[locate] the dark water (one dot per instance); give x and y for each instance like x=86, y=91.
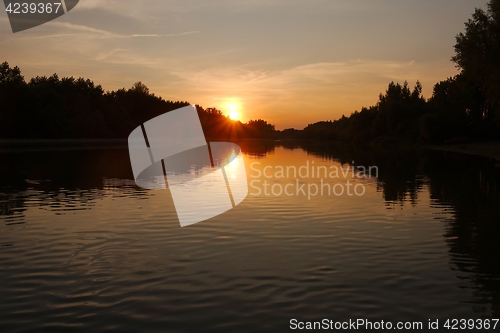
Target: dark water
x=82, y=249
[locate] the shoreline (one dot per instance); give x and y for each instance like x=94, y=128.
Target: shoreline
x=489, y=149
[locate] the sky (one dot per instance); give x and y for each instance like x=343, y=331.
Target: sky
x=290, y=62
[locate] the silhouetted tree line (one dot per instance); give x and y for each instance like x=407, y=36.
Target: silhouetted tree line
x=394, y=116
x=53, y=108
x=69, y=108
x=464, y=107
x=217, y=126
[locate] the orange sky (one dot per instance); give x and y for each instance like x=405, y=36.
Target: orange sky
x=290, y=62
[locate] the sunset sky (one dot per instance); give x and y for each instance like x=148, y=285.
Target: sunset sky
x=289, y=62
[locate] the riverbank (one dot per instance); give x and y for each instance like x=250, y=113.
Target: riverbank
x=24, y=145
x=485, y=149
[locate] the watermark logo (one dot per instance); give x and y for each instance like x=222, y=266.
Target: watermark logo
x=310, y=180
x=27, y=14
x=205, y=178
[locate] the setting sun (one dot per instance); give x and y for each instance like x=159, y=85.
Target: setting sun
x=232, y=109
x=233, y=115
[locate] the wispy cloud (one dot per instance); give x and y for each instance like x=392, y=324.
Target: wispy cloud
x=161, y=35
x=83, y=30
x=329, y=88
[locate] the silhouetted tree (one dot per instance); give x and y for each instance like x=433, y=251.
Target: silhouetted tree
x=12, y=91
x=140, y=88
x=477, y=55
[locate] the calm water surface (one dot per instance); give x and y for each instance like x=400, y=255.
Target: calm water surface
x=82, y=249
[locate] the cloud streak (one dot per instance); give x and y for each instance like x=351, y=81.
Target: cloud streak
x=83, y=30
x=329, y=88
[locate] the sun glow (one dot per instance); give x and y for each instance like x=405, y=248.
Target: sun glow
x=232, y=108
x=234, y=115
